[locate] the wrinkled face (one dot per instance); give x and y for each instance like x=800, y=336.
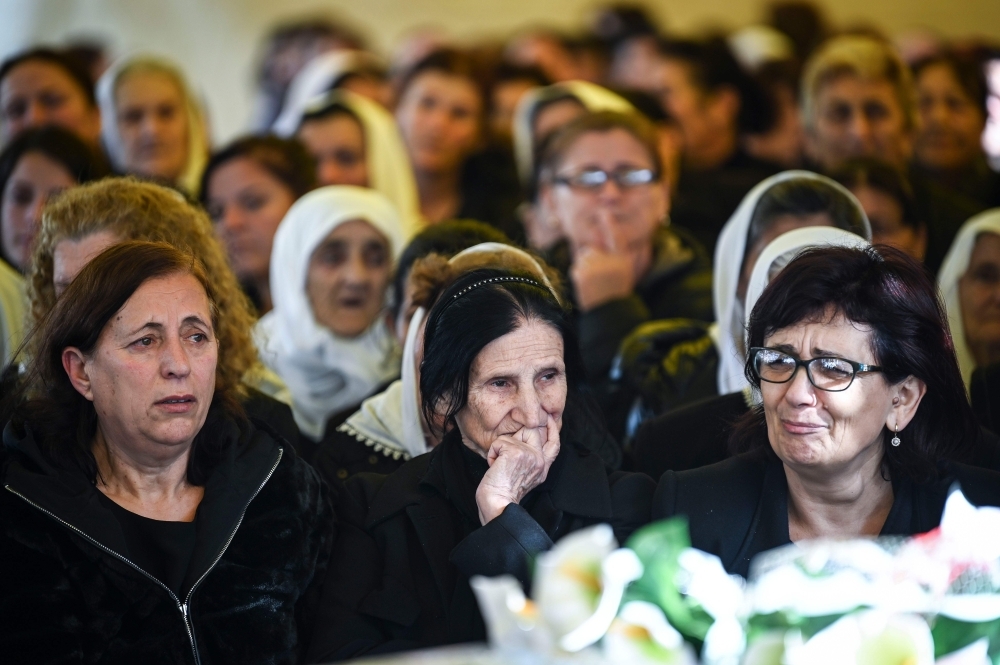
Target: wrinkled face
x=348, y=275
x=247, y=203
x=858, y=118
x=337, y=143
x=34, y=179
x=153, y=125
x=611, y=218
x=439, y=118
x=151, y=376
x=814, y=429
x=886, y=216
x=70, y=256
x=37, y=93
x=979, y=293
x=951, y=124
x=515, y=382
x=777, y=226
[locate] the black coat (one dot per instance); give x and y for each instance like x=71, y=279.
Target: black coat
x=738, y=508
x=405, y=582
x=984, y=390
x=69, y=593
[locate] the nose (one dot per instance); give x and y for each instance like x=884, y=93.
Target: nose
x=174, y=361
x=355, y=269
x=861, y=131
x=233, y=218
x=799, y=391
x=329, y=173
x=35, y=115
x=529, y=411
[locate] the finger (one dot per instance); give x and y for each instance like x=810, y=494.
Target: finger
x=606, y=223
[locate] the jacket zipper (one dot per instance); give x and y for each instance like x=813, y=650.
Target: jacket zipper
x=185, y=607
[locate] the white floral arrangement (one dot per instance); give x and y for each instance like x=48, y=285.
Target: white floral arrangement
x=926, y=600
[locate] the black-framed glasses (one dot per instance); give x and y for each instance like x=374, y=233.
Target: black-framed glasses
x=825, y=373
x=593, y=179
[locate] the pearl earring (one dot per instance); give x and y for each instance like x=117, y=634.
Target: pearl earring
x=895, y=439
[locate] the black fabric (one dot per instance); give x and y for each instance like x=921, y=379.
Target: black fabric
x=491, y=192
x=977, y=182
x=340, y=455
x=705, y=200
x=163, y=549
x=264, y=534
x=984, y=390
x=278, y=416
x=406, y=574
x=678, y=285
x=945, y=213
x=738, y=508
x=692, y=436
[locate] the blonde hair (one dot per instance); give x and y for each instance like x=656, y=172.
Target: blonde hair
x=136, y=210
x=866, y=58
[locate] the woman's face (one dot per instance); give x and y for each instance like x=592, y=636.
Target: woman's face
x=151, y=376
x=812, y=429
x=515, y=383
x=70, y=256
x=610, y=218
x=34, y=179
x=888, y=226
x=247, y=203
x=777, y=226
x=36, y=93
x=153, y=125
x=979, y=295
x=337, y=143
x=554, y=116
x=348, y=275
x=439, y=116
x=951, y=124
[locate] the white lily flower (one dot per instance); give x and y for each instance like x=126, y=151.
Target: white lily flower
x=865, y=638
x=641, y=635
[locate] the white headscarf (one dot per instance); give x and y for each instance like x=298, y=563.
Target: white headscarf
x=313, y=81
x=954, y=267
x=390, y=421
x=593, y=97
x=198, y=143
x=325, y=373
x=729, y=253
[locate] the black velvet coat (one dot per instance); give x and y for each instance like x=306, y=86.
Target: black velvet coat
x=405, y=580
x=68, y=593
x=738, y=508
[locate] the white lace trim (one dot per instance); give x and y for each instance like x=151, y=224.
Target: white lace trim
x=379, y=447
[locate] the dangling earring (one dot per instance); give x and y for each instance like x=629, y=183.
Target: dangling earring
x=895, y=439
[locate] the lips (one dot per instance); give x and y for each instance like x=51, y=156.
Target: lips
x=177, y=403
x=800, y=427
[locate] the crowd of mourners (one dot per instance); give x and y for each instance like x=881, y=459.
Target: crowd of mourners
x=277, y=401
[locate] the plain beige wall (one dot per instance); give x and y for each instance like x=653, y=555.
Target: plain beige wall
x=216, y=41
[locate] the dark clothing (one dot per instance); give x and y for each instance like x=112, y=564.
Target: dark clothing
x=406, y=584
x=985, y=392
x=978, y=182
x=705, y=200
x=163, y=549
x=72, y=591
x=739, y=508
x=690, y=437
x=277, y=415
x=661, y=366
x=491, y=192
x=678, y=285
x=945, y=212
x=341, y=455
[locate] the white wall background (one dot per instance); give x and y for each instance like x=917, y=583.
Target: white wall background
x=216, y=41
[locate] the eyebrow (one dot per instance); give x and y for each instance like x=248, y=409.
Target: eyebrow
x=193, y=319
x=816, y=351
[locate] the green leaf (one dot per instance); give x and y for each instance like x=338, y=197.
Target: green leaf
x=950, y=635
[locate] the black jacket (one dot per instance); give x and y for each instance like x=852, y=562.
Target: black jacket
x=738, y=508
x=984, y=390
x=406, y=583
x=69, y=593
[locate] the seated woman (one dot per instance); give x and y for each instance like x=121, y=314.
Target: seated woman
x=858, y=442
x=602, y=181
x=665, y=365
x=500, y=372
x=148, y=518
x=247, y=188
x=970, y=285
x=88, y=219
x=327, y=337
x=152, y=125
x=355, y=141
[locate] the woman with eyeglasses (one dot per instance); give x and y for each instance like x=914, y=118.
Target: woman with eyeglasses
x=601, y=180
x=863, y=424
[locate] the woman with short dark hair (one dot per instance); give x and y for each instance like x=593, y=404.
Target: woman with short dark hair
x=863, y=414
x=148, y=518
x=501, y=379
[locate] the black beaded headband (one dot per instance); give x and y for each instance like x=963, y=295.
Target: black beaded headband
x=493, y=280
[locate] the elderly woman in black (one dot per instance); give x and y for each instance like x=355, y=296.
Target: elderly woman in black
x=144, y=517
x=863, y=414
x=499, y=377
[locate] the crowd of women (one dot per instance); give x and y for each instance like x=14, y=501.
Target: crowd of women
x=279, y=400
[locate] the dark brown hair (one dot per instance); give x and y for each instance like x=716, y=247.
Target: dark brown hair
x=62, y=421
x=286, y=160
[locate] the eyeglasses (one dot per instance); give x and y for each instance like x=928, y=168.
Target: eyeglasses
x=826, y=373
x=594, y=179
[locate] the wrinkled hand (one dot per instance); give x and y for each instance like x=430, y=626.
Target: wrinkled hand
x=518, y=463
x=600, y=277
